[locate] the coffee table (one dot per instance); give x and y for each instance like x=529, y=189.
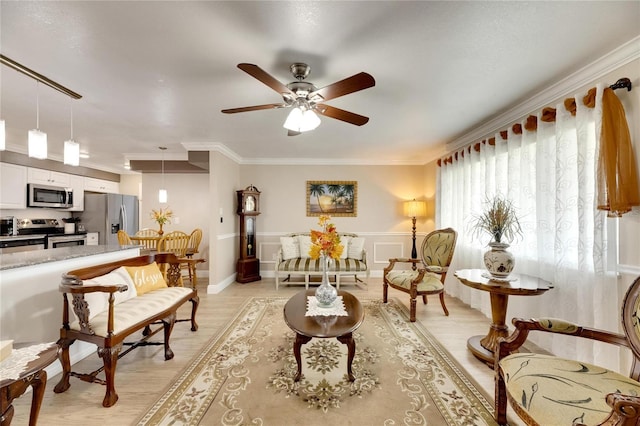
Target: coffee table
x=340, y=327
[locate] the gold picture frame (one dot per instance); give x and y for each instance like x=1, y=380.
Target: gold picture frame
x=332, y=197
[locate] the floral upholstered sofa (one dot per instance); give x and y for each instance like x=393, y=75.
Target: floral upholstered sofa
x=294, y=266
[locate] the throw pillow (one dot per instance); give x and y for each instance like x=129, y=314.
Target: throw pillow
x=290, y=248
x=356, y=245
x=146, y=278
x=345, y=240
x=304, y=242
x=99, y=302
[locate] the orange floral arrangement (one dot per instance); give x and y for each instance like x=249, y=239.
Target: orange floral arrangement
x=325, y=242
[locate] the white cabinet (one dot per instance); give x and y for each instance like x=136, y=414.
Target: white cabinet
x=100, y=185
x=47, y=177
x=13, y=186
x=77, y=184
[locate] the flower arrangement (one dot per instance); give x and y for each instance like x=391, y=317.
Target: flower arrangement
x=499, y=220
x=162, y=216
x=325, y=242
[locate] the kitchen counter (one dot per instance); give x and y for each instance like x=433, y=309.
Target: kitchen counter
x=31, y=258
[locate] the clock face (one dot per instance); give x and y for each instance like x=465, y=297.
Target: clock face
x=249, y=204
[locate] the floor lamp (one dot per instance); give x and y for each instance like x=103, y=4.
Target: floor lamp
x=414, y=209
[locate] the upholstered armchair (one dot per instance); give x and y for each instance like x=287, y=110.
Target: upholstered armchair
x=432, y=267
x=549, y=390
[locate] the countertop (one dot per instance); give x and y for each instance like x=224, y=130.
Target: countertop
x=31, y=258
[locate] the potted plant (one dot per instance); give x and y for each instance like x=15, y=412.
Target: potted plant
x=500, y=221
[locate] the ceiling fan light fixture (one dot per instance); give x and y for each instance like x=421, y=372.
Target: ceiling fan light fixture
x=300, y=120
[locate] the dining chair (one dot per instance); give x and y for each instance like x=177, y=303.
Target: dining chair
x=194, y=248
x=123, y=238
x=147, y=232
x=432, y=267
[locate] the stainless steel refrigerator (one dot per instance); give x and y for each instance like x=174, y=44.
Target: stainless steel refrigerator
x=109, y=213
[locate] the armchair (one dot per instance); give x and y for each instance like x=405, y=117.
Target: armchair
x=435, y=257
x=546, y=390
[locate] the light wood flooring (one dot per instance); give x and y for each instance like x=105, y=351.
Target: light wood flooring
x=143, y=375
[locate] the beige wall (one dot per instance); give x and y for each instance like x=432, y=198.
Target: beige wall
x=380, y=193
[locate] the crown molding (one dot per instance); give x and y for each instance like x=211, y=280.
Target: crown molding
x=613, y=60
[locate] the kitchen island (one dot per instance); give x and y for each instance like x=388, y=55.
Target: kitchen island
x=30, y=303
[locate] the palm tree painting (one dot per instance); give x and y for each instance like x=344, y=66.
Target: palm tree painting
x=335, y=198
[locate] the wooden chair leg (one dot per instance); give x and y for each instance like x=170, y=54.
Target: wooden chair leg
x=194, y=307
x=500, y=404
x=110, y=360
x=385, y=291
x=65, y=361
x=424, y=299
x=444, y=307
x=412, y=316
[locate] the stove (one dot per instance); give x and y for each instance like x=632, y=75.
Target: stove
x=53, y=231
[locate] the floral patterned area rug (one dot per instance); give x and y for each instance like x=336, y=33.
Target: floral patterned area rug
x=244, y=376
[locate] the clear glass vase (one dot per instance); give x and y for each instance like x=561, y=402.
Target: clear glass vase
x=326, y=294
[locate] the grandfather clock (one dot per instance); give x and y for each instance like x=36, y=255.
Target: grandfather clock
x=248, y=266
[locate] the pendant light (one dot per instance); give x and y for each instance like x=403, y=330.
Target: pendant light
x=37, y=139
x=162, y=193
x=71, y=147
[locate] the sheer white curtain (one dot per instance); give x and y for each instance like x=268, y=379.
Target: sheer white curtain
x=549, y=175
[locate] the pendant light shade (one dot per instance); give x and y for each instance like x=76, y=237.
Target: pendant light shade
x=162, y=193
x=37, y=144
x=71, y=153
x=37, y=139
x=3, y=136
x=71, y=148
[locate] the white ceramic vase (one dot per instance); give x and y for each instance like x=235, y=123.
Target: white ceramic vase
x=326, y=294
x=498, y=261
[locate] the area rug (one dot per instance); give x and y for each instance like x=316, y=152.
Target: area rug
x=244, y=376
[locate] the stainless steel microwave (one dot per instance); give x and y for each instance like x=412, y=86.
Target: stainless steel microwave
x=49, y=196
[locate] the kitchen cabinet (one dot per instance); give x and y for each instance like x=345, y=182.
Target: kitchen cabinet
x=100, y=185
x=47, y=177
x=13, y=186
x=77, y=184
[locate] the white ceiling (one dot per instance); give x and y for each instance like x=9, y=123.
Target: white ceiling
x=158, y=73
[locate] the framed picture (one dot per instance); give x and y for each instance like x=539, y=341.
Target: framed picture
x=332, y=197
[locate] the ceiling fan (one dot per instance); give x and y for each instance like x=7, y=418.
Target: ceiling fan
x=306, y=99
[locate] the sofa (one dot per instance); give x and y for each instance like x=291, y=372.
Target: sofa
x=294, y=266
x=112, y=301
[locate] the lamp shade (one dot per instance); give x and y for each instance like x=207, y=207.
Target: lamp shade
x=71, y=153
x=37, y=144
x=415, y=208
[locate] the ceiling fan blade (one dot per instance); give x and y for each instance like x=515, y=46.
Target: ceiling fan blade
x=254, y=108
x=292, y=133
x=340, y=114
x=260, y=74
x=344, y=87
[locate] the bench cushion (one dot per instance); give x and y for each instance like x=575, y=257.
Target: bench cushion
x=552, y=388
x=313, y=265
x=135, y=310
x=146, y=278
x=99, y=302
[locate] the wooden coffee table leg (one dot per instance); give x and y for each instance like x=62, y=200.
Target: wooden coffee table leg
x=300, y=340
x=38, y=384
x=347, y=339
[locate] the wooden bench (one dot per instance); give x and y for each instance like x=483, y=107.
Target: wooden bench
x=294, y=265
x=119, y=311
